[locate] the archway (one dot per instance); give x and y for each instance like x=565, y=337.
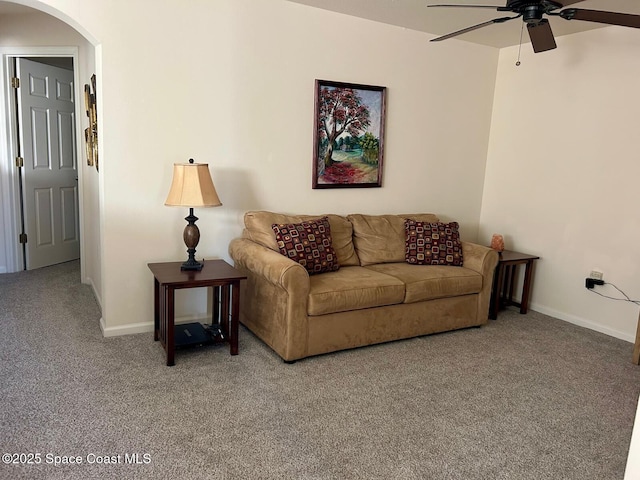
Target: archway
x=22, y=25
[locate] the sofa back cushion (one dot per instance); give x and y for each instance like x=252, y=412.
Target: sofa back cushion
x=258, y=228
x=381, y=238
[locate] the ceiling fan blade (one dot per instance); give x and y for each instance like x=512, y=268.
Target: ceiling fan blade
x=502, y=8
x=468, y=6
x=541, y=36
x=565, y=3
x=475, y=27
x=610, y=18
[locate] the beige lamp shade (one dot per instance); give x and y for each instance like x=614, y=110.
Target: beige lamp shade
x=192, y=186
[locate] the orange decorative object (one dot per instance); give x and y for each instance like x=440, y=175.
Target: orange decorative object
x=497, y=242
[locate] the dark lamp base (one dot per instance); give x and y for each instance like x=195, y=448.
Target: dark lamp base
x=192, y=265
x=191, y=237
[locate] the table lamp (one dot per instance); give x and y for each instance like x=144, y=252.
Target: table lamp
x=192, y=187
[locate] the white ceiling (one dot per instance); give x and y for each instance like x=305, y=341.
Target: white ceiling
x=415, y=15
x=7, y=8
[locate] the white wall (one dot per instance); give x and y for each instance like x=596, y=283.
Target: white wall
x=4, y=248
x=38, y=32
x=230, y=82
x=632, y=470
x=562, y=173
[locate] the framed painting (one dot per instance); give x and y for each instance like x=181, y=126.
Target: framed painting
x=348, y=135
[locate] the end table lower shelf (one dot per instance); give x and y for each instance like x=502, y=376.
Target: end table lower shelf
x=195, y=333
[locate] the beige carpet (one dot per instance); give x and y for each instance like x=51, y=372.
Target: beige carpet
x=526, y=397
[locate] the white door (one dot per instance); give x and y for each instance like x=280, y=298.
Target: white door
x=50, y=176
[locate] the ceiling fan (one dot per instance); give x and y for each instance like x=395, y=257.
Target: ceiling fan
x=533, y=12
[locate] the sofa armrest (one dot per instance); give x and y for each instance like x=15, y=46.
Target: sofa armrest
x=274, y=297
x=268, y=264
x=479, y=258
x=482, y=260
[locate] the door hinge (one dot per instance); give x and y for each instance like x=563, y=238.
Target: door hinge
x=23, y=238
x=15, y=82
x=19, y=162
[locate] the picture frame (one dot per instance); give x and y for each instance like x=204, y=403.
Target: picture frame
x=348, y=139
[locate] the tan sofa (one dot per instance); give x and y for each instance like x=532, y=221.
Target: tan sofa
x=374, y=297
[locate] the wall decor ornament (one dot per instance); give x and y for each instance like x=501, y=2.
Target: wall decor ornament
x=91, y=132
x=348, y=140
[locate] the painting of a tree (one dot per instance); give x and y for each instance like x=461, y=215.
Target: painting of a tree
x=349, y=126
x=341, y=110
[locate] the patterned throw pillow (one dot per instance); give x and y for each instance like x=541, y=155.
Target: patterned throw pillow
x=432, y=243
x=308, y=243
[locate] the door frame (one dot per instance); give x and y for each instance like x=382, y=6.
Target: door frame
x=9, y=183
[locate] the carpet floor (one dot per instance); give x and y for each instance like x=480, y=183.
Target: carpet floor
x=524, y=397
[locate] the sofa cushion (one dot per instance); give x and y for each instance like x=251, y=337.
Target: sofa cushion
x=432, y=243
x=427, y=282
x=381, y=238
x=352, y=288
x=308, y=243
x=258, y=228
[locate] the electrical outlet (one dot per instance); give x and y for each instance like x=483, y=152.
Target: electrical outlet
x=596, y=274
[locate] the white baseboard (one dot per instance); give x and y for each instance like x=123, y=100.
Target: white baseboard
x=89, y=281
x=129, y=329
x=581, y=322
x=147, y=327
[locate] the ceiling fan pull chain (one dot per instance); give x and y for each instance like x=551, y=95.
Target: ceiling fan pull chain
x=520, y=47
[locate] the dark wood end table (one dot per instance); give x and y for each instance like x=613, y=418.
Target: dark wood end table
x=225, y=281
x=503, y=281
